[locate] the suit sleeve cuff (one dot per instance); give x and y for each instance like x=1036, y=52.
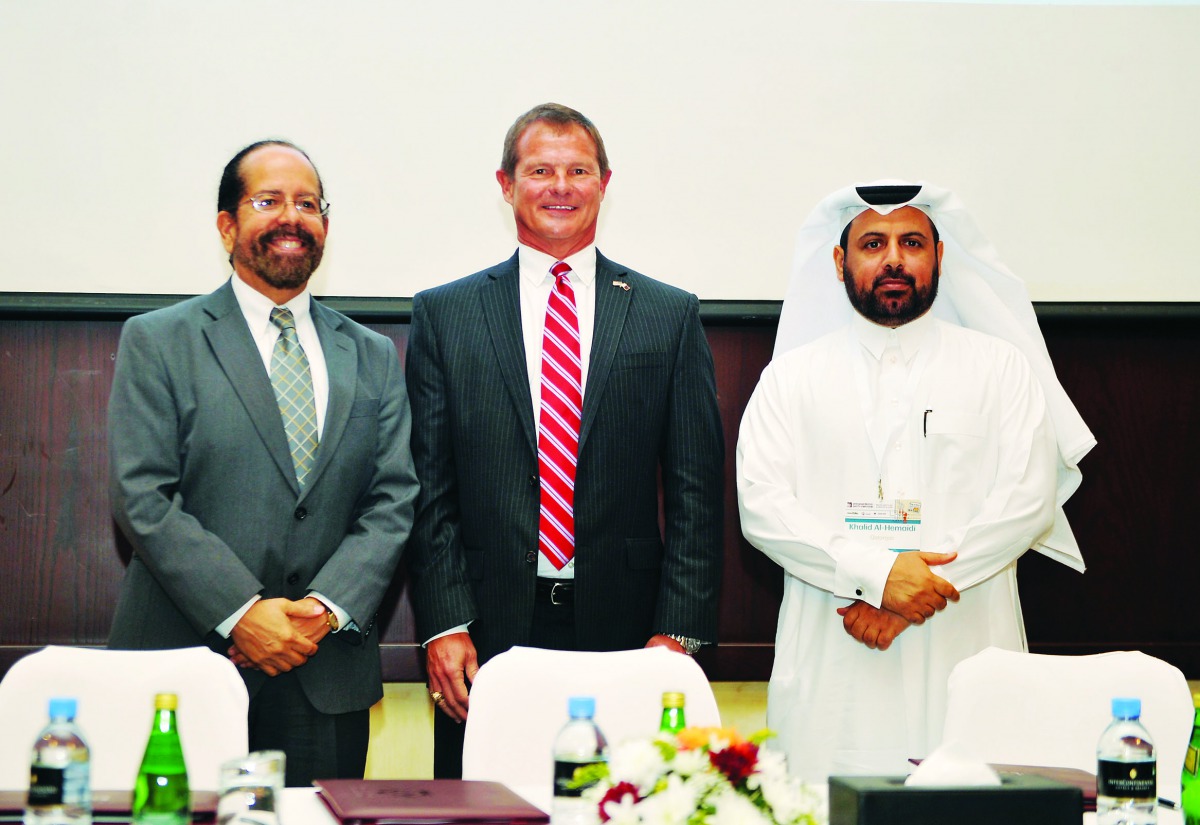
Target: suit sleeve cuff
x=344, y=620
x=462, y=628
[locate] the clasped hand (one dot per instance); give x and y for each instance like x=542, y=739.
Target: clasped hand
x=276, y=635
x=912, y=594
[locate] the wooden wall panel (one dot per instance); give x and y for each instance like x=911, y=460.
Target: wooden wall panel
x=61, y=558
x=1138, y=386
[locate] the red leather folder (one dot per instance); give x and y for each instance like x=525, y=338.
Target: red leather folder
x=425, y=802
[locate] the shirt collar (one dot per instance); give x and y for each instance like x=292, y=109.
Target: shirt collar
x=909, y=337
x=535, y=265
x=257, y=307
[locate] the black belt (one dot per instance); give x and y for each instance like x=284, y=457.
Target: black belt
x=558, y=592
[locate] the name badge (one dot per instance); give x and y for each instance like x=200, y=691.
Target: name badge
x=895, y=524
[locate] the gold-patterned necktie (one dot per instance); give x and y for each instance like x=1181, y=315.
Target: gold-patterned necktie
x=292, y=382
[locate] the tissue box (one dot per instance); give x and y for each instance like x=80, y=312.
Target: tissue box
x=886, y=800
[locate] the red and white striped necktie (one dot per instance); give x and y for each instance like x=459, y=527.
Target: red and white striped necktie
x=558, y=424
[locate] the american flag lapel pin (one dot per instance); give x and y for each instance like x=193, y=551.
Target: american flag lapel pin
x=621, y=284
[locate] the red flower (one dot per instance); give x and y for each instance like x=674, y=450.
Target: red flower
x=615, y=794
x=736, y=762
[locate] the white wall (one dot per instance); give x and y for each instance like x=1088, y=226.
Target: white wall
x=1070, y=131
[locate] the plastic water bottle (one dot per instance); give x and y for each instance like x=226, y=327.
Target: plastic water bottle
x=1191, y=779
x=1126, y=781
x=673, y=718
x=161, y=793
x=60, y=790
x=578, y=745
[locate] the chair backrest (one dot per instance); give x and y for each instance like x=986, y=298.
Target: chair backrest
x=519, y=702
x=1034, y=709
x=115, y=690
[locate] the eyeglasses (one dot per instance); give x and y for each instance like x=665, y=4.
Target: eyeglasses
x=307, y=205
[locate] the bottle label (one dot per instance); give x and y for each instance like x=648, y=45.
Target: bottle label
x=565, y=781
x=1126, y=780
x=46, y=785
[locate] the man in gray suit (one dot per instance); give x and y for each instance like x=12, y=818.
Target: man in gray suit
x=515, y=543
x=260, y=468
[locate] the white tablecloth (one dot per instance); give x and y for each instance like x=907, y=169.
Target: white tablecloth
x=301, y=806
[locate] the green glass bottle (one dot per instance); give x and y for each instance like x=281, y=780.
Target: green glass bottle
x=673, y=720
x=160, y=794
x=1191, y=784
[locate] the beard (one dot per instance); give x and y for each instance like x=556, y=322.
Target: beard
x=281, y=271
x=890, y=308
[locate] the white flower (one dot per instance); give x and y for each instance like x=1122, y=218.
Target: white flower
x=638, y=762
x=731, y=808
x=687, y=763
x=771, y=765
x=685, y=786
x=787, y=799
x=671, y=805
x=622, y=811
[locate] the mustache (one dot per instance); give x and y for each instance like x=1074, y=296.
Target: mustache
x=894, y=275
x=298, y=232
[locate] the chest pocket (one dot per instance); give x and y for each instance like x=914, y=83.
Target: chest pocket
x=956, y=455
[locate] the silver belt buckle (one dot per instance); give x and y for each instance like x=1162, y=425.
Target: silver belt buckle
x=554, y=594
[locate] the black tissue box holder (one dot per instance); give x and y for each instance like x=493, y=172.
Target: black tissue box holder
x=886, y=800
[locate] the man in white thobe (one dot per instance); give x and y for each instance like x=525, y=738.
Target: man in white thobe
x=896, y=468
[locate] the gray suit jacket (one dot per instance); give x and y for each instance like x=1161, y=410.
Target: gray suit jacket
x=650, y=407
x=202, y=485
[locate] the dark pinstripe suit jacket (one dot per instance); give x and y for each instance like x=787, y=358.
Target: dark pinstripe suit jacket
x=650, y=404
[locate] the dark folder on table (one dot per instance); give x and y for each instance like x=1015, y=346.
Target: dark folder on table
x=425, y=802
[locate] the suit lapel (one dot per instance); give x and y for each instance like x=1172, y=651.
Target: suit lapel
x=242, y=364
x=341, y=365
x=501, y=298
x=612, y=305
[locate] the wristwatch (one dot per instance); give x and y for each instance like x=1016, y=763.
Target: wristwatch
x=331, y=619
x=690, y=645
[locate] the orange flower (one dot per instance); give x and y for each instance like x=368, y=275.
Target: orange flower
x=692, y=738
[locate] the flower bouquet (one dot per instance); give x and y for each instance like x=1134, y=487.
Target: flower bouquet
x=702, y=776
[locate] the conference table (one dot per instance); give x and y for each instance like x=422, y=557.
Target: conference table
x=302, y=806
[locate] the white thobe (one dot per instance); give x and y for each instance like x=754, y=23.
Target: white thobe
x=982, y=460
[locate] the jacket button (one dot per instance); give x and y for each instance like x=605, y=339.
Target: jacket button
x=533, y=480
x=858, y=592
x=293, y=578
x=530, y=557
x=301, y=514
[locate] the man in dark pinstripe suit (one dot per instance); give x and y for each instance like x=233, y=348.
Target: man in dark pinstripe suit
x=649, y=412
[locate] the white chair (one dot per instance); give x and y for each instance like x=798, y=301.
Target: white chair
x=519, y=702
x=115, y=690
x=1033, y=709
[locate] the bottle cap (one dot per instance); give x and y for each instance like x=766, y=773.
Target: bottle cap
x=166, y=701
x=581, y=706
x=1126, y=708
x=672, y=699
x=63, y=707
